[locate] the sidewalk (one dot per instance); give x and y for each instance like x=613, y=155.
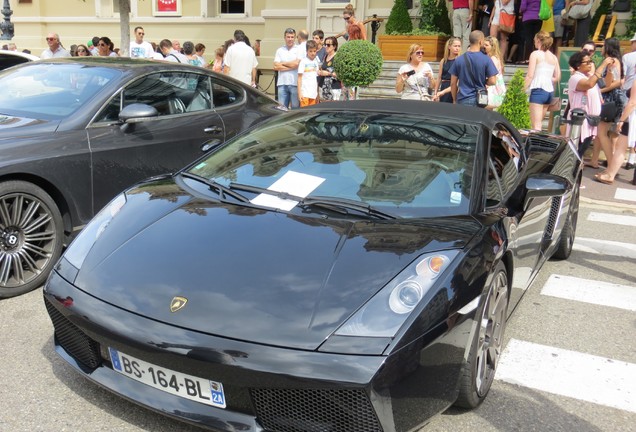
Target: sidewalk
x=621, y=193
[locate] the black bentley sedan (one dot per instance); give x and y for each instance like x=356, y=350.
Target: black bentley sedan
x=345, y=267
x=74, y=133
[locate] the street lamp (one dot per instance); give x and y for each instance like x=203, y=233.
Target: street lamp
x=6, y=26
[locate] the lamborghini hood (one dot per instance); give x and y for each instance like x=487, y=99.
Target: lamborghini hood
x=250, y=274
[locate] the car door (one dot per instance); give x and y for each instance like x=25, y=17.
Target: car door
x=526, y=226
x=123, y=154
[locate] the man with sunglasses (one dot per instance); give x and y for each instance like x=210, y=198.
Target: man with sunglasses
x=55, y=48
x=140, y=48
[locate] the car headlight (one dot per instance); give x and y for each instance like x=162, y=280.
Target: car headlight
x=79, y=248
x=384, y=314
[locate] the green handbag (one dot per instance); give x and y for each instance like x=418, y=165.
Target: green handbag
x=545, y=11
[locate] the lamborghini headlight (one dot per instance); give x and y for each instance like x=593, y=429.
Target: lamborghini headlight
x=384, y=313
x=79, y=248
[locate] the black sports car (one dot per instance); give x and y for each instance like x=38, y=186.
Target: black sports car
x=74, y=133
x=346, y=267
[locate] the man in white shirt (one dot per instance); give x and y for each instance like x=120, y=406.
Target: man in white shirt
x=170, y=54
x=240, y=60
x=286, y=63
x=55, y=48
x=139, y=48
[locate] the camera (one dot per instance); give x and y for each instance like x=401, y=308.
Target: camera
x=409, y=73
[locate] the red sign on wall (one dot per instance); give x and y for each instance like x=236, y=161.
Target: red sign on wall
x=166, y=5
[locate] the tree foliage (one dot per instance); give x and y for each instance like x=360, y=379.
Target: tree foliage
x=515, y=106
x=358, y=63
x=399, y=21
x=435, y=17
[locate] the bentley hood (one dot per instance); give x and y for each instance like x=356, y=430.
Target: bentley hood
x=250, y=274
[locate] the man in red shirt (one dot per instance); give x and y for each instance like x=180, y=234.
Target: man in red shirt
x=462, y=20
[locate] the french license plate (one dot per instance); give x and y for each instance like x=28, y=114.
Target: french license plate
x=176, y=383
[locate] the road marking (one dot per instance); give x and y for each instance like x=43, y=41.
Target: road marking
x=572, y=374
x=612, y=219
x=605, y=247
x=591, y=291
x=625, y=194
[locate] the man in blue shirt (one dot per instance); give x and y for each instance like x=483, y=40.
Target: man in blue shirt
x=472, y=71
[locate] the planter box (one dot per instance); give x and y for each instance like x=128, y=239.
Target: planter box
x=397, y=47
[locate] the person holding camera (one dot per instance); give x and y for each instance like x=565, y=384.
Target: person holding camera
x=415, y=79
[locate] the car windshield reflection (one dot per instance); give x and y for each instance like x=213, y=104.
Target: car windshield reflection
x=51, y=92
x=404, y=165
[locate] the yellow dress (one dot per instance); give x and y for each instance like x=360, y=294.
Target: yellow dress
x=548, y=25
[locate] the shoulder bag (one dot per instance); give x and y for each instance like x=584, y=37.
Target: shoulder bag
x=481, y=93
x=545, y=11
x=506, y=21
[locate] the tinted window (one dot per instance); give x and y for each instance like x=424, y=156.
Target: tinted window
x=505, y=154
x=411, y=166
x=169, y=92
x=223, y=94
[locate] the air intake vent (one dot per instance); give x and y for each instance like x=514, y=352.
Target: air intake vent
x=315, y=410
x=73, y=340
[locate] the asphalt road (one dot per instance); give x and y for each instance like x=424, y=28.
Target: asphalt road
x=39, y=392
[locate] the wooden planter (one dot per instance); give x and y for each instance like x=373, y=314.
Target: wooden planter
x=397, y=47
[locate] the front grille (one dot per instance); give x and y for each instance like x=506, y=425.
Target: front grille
x=315, y=410
x=541, y=144
x=73, y=340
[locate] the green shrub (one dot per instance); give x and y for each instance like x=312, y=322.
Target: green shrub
x=358, y=63
x=515, y=106
x=434, y=18
x=399, y=21
x=631, y=24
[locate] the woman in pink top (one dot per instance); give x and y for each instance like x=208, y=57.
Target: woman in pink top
x=583, y=92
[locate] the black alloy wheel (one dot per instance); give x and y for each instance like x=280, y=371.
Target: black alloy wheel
x=479, y=370
x=31, y=237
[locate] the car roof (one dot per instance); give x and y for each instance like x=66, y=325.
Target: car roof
x=446, y=111
x=124, y=64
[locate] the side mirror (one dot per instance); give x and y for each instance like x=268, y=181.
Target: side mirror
x=137, y=112
x=546, y=185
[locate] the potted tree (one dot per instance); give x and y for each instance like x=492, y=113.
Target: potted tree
x=357, y=64
x=432, y=33
x=515, y=106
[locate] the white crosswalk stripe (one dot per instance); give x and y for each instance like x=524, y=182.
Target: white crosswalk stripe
x=605, y=247
x=612, y=218
x=625, y=194
x=568, y=373
x=590, y=291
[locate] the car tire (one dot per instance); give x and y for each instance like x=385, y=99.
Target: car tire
x=31, y=237
x=568, y=233
x=479, y=370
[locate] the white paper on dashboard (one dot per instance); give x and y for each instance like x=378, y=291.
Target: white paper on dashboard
x=293, y=183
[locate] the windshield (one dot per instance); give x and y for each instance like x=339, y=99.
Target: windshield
x=406, y=165
x=50, y=91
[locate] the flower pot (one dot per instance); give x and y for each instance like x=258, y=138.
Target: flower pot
x=397, y=47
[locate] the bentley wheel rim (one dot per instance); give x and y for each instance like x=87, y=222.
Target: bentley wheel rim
x=27, y=239
x=491, y=330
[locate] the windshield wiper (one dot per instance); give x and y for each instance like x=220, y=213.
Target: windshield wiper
x=340, y=205
x=344, y=205
x=217, y=187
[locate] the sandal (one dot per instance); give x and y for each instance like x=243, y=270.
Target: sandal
x=604, y=178
x=589, y=165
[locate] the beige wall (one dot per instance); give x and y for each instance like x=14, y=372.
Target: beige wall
x=77, y=21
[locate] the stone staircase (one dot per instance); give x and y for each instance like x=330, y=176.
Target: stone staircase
x=384, y=86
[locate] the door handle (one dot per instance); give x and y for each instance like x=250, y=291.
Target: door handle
x=213, y=129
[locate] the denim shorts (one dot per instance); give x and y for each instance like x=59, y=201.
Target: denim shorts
x=540, y=96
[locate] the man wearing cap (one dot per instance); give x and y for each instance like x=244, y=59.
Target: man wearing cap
x=55, y=48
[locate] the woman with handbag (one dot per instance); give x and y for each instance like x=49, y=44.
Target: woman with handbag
x=543, y=74
x=579, y=10
x=415, y=78
x=497, y=92
x=502, y=22
x=614, y=101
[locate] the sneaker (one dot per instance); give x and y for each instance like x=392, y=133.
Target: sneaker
x=629, y=166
